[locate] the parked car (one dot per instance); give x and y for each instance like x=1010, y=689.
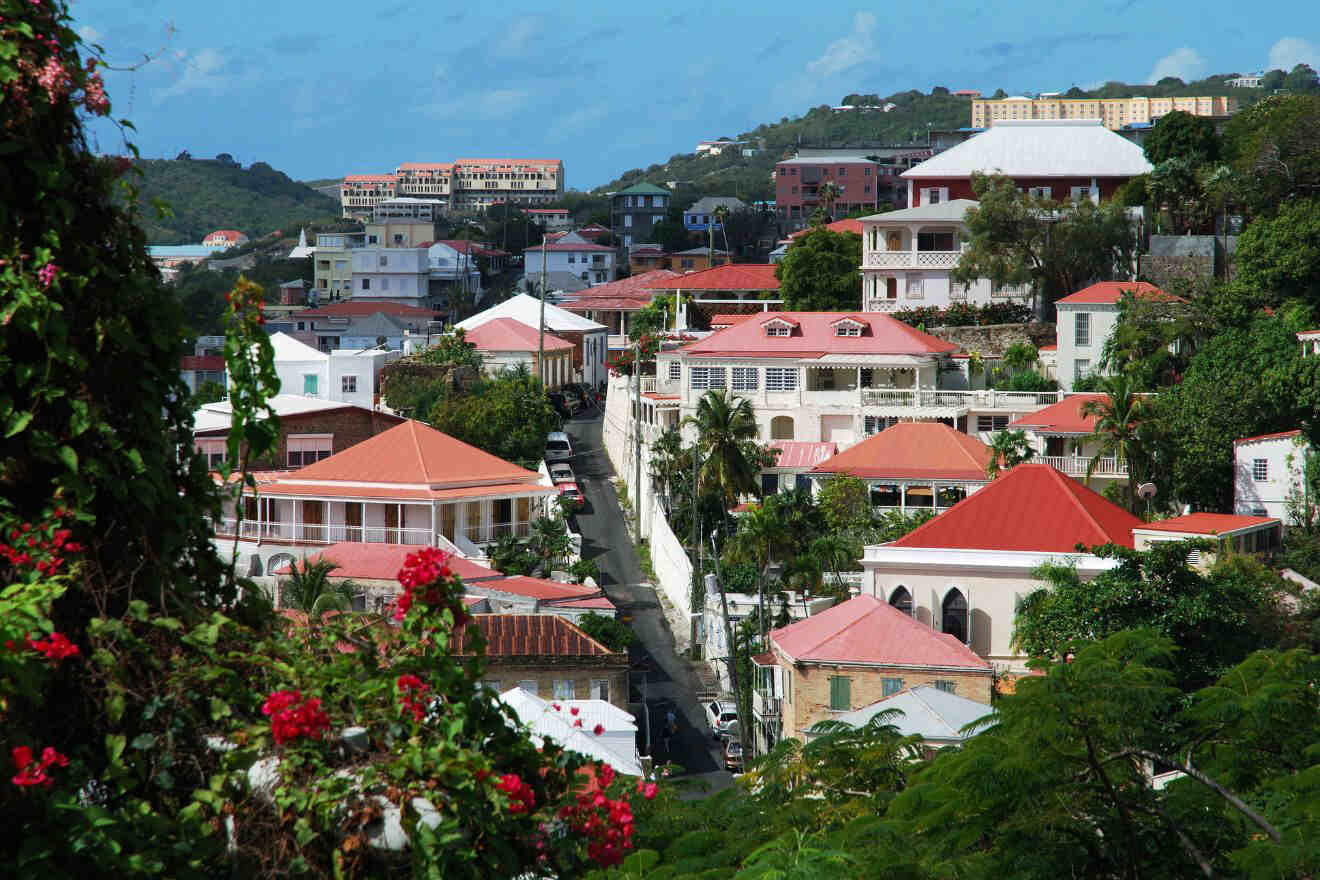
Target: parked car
x=584, y=393
x=561, y=472
x=571, y=493
x=557, y=447
x=722, y=717
x=565, y=405
x=733, y=756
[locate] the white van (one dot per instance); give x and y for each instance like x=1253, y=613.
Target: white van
x=557, y=447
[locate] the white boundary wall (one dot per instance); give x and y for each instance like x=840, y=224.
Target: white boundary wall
x=672, y=567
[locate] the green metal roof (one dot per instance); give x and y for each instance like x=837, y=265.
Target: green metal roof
x=643, y=189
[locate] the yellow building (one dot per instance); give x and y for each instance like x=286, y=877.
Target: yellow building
x=1115, y=112
x=359, y=193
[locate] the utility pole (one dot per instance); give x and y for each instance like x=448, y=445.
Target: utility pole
x=732, y=660
x=540, y=326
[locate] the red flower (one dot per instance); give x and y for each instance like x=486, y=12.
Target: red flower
x=598, y=729
x=55, y=648
x=574, y=710
x=577, y=723
x=293, y=718
x=521, y=797
x=411, y=689
x=30, y=772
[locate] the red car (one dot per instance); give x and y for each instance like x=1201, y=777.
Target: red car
x=572, y=493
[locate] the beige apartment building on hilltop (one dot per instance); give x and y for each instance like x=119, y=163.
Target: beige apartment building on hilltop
x=463, y=185
x=1114, y=112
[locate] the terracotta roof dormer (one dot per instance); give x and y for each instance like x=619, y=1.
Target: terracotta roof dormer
x=779, y=326
x=849, y=325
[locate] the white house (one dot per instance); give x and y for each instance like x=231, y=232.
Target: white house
x=392, y=274
x=506, y=343
x=593, y=263
x=965, y=571
x=1229, y=532
x=907, y=256
x=590, y=339
x=345, y=376
x=832, y=377
x=573, y=724
x=1085, y=321
x=1061, y=435
x=1268, y=475
x=451, y=266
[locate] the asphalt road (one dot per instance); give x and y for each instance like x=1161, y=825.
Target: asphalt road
x=670, y=684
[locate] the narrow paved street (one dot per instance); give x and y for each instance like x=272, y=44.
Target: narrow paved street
x=670, y=682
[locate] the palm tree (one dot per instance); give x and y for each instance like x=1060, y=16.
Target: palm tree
x=760, y=529
x=1008, y=449
x=793, y=856
x=724, y=426
x=1119, y=418
x=829, y=193
x=549, y=540
x=835, y=552
x=721, y=214
x=309, y=589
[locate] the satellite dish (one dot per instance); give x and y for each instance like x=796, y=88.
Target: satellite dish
x=1146, y=490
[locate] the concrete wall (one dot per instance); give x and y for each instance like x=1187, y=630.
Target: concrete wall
x=994, y=339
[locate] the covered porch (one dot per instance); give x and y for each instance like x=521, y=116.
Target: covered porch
x=911, y=496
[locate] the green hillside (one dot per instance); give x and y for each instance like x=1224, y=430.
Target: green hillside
x=208, y=194
x=914, y=114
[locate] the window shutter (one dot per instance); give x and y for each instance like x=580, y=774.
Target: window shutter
x=944, y=194
x=968, y=592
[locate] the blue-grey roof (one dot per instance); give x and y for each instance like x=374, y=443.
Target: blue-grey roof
x=928, y=712
x=179, y=250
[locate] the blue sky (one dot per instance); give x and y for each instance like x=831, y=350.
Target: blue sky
x=320, y=89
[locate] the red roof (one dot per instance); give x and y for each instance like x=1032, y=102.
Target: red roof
x=1033, y=508
x=210, y=362
x=506, y=334
x=1206, y=523
x=415, y=454
x=1051, y=347
x=1276, y=436
x=554, y=247
x=634, y=292
x=801, y=453
x=1064, y=417
x=917, y=450
x=735, y=276
x=726, y=320
x=226, y=234
x=369, y=178
x=573, y=595
x=426, y=166
x=1112, y=291
x=539, y=635
x=848, y=224
x=814, y=336
x=353, y=309
x=381, y=562
x=464, y=246
x=866, y=630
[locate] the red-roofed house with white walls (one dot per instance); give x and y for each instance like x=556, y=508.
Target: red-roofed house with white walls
x=1268, y=475
x=1087, y=318
x=505, y=344
x=1061, y=435
x=593, y=263
x=409, y=485
x=223, y=239
x=1230, y=532
x=907, y=256
x=849, y=656
x=964, y=572
x=832, y=377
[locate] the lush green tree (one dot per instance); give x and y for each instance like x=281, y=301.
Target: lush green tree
x=1281, y=254
x=845, y=502
x=512, y=556
x=1275, y=149
x=507, y=415
x=1243, y=381
x=549, y=542
x=1180, y=135
x=1215, y=619
x=453, y=350
x=1302, y=78
x=670, y=233
x=819, y=273
x=609, y=631
x=309, y=589
x=894, y=524
x=1021, y=356
x=725, y=426
x=1016, y=238
x=1176, y=188
x=1272, y=80
x=1008, y=449
x=795, y=856
x=208, y=392
x=1154, y=339
x=1120, y=431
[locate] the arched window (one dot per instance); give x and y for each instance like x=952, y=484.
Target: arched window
x=902, y=600
x=781, y=428
x=954, y=614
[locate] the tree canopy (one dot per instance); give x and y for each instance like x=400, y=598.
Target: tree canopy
x=1181, y=135
x=507, y=415
x=819, y=272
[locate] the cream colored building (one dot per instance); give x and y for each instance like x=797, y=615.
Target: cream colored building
x=463, y=185
x=1114, y=112
x=425, y=179
x=360, y=193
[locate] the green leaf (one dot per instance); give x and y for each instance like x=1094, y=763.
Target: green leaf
x=144, y=741
x=69, y=457
x=17, y=422
x=114, y=708
x=114, y=746
x=219, y=709
x=170, y=623
x=303, y=832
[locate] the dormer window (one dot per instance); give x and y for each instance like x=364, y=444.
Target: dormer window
x=778, y=327
x=848, y=327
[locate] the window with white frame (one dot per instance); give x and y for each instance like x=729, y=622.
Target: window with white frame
x=305, y=449
x=1081, y=369
x=214, y=450
x=600, y=689
x=987, y=424
x=309, y=384
x=528, y=685
x=876, y=424
x=1260, y=469
x=675, y=371
x=1041, y=192
x=847, y=328
x=1082, y=329
x=778, y=330
x=914, y=287
x=564, y=689
x=781, y=378
x=745, y=378
x=705, y=377
x=1079, y=192
x=348, y=384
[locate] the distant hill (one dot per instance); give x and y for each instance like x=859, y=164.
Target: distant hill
x=912, y=116
x=209, y=194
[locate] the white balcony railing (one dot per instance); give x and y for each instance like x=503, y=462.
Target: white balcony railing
x=1023, y=401
x=1076, y=465
x=305, y=533
x=487, y=533
x=912, y=259
x=766, y=706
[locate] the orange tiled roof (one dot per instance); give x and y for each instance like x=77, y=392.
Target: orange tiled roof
x=914, y=450
x=1112, y=292
x=539, y=635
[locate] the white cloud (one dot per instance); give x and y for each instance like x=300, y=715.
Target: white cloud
x=490, y=105
x=849, y=50
x=574, y=123
x=1291, y=51
x=202, y=71
x=1185, y=63
x=89, y=34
